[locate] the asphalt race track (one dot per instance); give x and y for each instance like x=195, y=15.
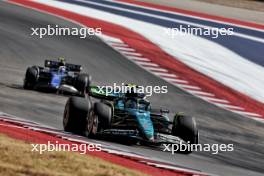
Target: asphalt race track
x=18, y=50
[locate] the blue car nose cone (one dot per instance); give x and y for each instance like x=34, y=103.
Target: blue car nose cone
x=56, y=80
x=145, y=124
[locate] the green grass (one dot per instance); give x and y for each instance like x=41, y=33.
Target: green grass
x=16, y=158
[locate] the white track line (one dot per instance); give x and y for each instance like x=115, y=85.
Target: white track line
x=175, y=81
x=230, y=107
x=214, y=100
x=124, y=49
x=147, y=63
x=171, y=80
x=110, y=39
x=187, y=86
x=155, y=69
x=117, y=44
x=138, y=58
x=165, y=75
x=201, y=93
x=130, y=53
x=180, y=81
x=247, y=113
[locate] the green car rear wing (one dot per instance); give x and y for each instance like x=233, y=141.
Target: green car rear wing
x=102, y=92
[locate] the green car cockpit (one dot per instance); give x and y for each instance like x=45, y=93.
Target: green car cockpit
x=132, y=103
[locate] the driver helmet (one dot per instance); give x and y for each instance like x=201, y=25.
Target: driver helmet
x=62, y=61
x=132, y=91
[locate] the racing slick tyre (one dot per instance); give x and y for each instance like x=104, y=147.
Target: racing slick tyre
x=75, y=115
x=31, y=77
x=185, y=128
x=82, y=83
x=104, y=113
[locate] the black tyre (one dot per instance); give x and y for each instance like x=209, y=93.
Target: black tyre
x=82, y=83
x=75, y=116
x=185, y=128
x=31, y=77
x=104, y=113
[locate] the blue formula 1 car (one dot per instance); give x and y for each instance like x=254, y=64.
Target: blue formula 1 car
x=58, y=76
x=127, y=117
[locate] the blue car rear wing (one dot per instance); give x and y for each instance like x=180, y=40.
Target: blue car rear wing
x=56, y=64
